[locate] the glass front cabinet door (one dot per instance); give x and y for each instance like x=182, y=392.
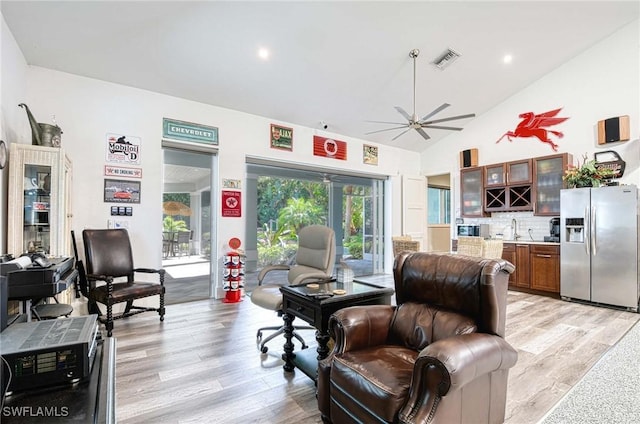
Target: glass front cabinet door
x=471, y=192
x=548, y=172
x=39, y=208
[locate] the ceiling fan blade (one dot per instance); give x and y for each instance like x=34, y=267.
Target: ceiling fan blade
x=388, y=129
x=387, y=122
x=403, y=113
x=423, y=134
x=438, y=127
x=451, y=118
x=403, y=132
x=441, y=107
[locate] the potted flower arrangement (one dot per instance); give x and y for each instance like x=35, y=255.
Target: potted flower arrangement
x=587, y=174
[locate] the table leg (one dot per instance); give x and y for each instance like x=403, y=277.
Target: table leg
x=288, y=354
x=323, y=341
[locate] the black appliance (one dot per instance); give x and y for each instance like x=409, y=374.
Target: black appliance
x=36, y=281
x=478, y=230
x=554, y=231
x=50, y=352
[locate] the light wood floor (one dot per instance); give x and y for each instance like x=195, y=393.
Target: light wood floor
x=202, y=365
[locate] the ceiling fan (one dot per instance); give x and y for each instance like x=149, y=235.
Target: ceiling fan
x=412, y=120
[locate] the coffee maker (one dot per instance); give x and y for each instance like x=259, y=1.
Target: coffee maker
x=554, y=231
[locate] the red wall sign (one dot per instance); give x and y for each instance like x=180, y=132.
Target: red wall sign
x=231, y=203
x=532, y=125
x=329, y=148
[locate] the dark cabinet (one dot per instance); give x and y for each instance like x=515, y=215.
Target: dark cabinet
x=471, y=192
x=545, y=268
x=522, y=185
x=547, y=183
x=507, y=186
x=509, y=254
x=537, y=266
x=518, y=255
x=522, y=269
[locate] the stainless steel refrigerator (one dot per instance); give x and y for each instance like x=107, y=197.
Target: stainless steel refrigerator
x=599, y=245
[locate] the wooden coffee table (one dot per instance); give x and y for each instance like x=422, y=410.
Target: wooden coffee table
x=315, y=305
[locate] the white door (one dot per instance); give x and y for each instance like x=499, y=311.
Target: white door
x=414, y=208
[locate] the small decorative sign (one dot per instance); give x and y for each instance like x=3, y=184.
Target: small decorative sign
x=329, y=148
x=121, y=191
x=121, y=171
x=617, y=165
x=228, y=183
x=231, y=203
x=281, y=137
x=369, y=154
x=123, y=149
x=188, y=131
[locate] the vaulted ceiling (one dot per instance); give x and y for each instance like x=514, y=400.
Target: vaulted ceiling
x=344, y=63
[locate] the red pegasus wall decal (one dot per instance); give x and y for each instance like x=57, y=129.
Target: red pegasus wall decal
x=533, y=126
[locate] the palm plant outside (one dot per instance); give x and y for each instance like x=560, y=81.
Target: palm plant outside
x=287, y=205
x=171, y=225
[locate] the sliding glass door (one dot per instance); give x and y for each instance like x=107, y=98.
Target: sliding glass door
x=287, y=199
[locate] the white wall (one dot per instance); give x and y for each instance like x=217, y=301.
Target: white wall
x=13, y=120
x=88, y=109
x=600, y=83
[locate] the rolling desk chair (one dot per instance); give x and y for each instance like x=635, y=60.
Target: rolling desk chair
x=315, y=259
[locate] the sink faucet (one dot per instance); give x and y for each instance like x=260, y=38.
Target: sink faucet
x=514, y=225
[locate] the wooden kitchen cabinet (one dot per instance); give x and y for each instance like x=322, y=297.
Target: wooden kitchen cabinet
x=547, y=183
x=500, y=174
x=522, y=271
x=509, y=254
x=537, y=267
x=471, y=192
x=508, y=186
x=518, y=255
x=545, y=268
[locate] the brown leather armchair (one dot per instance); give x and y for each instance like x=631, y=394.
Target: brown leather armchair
x=110, y=260
x=439, y=356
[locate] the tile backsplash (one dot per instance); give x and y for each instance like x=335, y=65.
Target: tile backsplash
x=500, y=225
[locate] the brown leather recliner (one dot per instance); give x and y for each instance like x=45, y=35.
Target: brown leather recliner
x=439, y=356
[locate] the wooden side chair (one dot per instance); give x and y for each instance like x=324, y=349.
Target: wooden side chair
x=110, y=260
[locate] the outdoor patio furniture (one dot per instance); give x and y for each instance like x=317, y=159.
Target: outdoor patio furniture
x=182, y=244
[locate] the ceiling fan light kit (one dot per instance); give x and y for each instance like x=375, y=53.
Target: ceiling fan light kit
x=412, y=120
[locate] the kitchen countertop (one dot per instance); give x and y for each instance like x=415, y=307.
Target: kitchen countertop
x=549, y=243
x=546, y=243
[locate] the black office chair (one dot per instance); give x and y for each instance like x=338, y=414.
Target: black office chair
x=109, y=257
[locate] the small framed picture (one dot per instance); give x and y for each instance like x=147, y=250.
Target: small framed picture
x=369, y=154
x=281, y=137
x=121, y=191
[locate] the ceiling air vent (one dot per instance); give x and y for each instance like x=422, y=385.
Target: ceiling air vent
x=446, y=59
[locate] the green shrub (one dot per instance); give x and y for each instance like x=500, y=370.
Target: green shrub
x=354, y=244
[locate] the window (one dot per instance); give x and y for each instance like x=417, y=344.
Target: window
x=439, y=205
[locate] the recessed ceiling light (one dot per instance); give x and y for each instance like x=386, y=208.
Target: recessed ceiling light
x=263, y=53
x=507, y=58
